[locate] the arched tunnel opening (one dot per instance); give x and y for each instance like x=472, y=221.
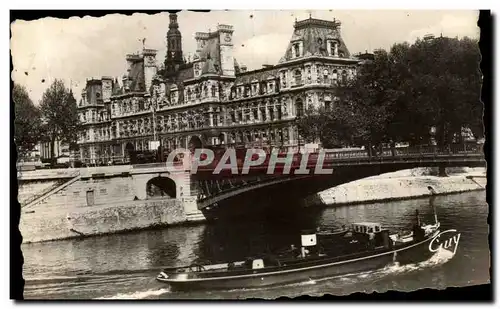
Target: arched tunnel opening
x=161, y=187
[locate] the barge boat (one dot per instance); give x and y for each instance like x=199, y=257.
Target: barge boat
x=365, y=246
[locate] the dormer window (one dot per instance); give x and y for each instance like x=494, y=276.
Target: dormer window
x=296, y=49
x=270, y=87
x=333, y=48
x=264, y=88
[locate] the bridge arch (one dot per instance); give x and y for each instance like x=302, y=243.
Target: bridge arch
x=161, y=187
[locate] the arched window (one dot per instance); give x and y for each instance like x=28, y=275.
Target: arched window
x=248, y=136
x=325, y=76
x=344, y=76
x=189, y=94
x=298, y=77
x=335, y=75
x=299, y=108
x=213, y=90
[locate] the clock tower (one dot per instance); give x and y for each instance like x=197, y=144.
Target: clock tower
x=173, y=57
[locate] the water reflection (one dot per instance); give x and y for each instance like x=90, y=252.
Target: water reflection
x=114, y=253
x=176, y=246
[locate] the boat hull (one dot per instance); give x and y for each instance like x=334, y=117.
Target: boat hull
x=412, y=254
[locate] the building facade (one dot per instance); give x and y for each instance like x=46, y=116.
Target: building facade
x=212, y=100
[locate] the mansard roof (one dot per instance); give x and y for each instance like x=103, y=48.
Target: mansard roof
x=186, y=72
x=314, y=34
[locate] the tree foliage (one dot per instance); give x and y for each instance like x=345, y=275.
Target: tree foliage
x=403, y=93
x=27, y=121
x=59, y=113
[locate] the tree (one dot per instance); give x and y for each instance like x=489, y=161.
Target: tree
x=332, y=127
x=59, y=112
x=27, y=121
x=401, y=94
x=446, y=84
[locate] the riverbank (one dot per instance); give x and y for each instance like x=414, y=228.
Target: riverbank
x=402, y=185
x=51, y=224
x=48, y=222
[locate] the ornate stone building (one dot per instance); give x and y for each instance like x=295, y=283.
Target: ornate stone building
x=211, y=100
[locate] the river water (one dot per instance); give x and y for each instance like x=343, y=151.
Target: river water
x=124, y=266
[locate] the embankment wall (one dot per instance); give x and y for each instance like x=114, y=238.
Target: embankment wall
x=401, y=185
x=52, y=224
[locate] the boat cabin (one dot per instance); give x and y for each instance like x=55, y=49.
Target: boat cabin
x=366, y=227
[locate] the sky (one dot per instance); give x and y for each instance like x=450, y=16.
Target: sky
x=77, y=48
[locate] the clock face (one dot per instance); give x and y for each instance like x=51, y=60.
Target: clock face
x=227, y=38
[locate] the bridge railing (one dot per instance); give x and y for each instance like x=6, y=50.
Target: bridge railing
x=404, y=151
x=346, y=155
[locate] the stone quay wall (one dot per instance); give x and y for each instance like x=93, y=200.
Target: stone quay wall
x=52, y=224
x=401, y=185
